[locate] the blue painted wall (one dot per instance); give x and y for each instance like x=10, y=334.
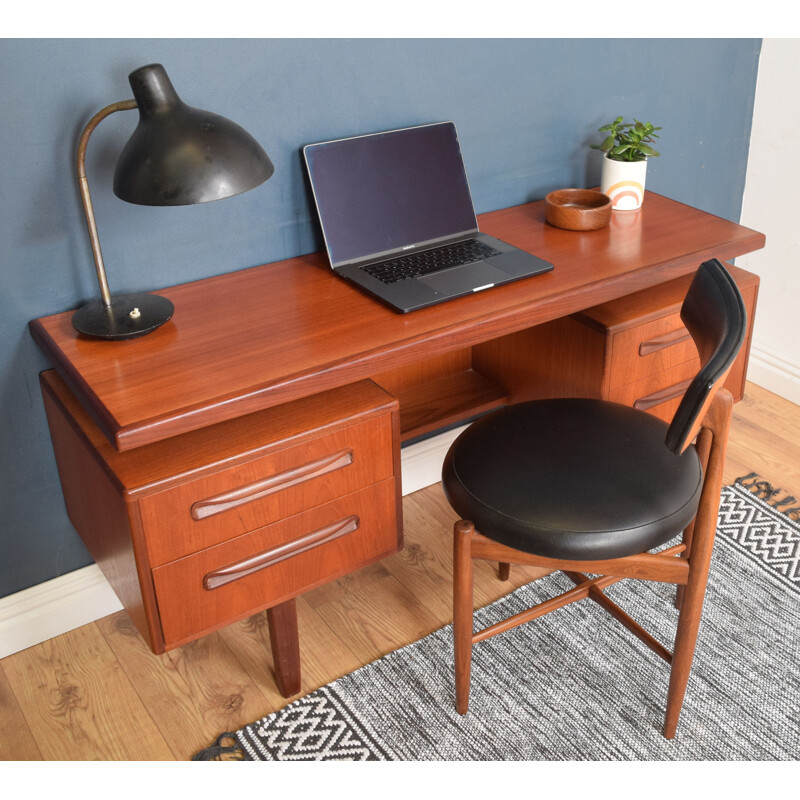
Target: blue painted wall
x=525, y=110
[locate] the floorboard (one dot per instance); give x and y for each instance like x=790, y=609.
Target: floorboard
x=79, y=704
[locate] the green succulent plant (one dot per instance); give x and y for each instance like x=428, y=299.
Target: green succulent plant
x=628, y=141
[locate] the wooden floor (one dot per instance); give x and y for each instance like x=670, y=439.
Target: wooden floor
x=98, y=693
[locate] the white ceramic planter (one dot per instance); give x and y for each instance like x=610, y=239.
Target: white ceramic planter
x=623, y=182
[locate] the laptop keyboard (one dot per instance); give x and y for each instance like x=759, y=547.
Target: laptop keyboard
x=426, y=261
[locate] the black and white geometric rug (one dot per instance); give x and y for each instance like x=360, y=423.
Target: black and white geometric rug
x=575, y=685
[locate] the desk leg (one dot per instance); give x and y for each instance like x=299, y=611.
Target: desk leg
x=285, y=641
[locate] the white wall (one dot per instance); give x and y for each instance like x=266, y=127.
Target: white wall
x=772, y=205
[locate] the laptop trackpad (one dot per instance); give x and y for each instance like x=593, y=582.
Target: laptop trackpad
x=464, y=279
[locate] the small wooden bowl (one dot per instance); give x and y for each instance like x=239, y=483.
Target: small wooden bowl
x=577, y=209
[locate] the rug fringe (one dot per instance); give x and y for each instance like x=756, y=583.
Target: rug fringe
x=756, y=485
x=221, y=752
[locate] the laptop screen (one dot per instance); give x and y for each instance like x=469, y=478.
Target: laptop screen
x=387, y=191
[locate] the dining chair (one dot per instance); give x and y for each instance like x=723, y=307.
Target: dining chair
x=591, y=486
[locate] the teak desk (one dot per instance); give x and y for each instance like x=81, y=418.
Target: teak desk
x=248, y=450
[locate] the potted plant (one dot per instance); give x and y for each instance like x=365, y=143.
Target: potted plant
x=626, y=149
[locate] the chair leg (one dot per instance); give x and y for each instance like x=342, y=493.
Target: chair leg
x=504, y=570
x=712, y=446
x=683, y=655
x=462, y=611
x=691, y=610
x=704, y=441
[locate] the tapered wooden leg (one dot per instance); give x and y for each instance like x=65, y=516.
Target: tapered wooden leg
x=504, y=571
x=683, y=654
x=703, y=445
x=689, y=619
x=712, y=445
x=285, y=641
x=462, y=611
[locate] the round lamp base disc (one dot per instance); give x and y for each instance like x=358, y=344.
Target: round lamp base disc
x=128, y=316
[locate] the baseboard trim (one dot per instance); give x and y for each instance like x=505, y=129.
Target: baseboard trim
x=54, y=607
x=774, y=373
x=62, y=604
x=421, y=463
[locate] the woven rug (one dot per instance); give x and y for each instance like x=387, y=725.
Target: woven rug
x=574, y=684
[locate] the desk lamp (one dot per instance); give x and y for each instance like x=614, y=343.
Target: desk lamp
x=178, y=155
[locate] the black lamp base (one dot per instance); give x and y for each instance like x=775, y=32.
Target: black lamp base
x=128, y=316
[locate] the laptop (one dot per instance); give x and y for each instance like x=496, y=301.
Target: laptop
x=398, y=220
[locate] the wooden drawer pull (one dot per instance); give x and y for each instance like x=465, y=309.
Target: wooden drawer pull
x=661, y=342
x=275, y=483
x=670, y=393
x=248, y=566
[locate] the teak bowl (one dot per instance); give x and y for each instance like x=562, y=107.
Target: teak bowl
x=577, y=209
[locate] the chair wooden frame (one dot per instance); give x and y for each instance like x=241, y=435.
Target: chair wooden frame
x=686, y=565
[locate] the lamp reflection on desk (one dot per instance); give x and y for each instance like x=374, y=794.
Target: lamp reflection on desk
x=178, y=155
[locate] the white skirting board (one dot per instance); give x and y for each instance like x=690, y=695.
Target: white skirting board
x=54, y=607
x=774, y=373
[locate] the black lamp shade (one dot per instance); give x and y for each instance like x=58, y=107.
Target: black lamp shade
x=179, y=155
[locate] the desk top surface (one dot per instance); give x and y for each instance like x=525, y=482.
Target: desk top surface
x=248, y=340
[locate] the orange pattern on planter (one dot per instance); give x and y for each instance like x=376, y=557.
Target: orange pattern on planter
x=626, y=195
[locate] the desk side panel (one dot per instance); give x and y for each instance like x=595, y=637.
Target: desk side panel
x=104, y=519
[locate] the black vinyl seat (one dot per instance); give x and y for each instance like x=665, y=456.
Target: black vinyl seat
x=589, y=486
x=578, y=479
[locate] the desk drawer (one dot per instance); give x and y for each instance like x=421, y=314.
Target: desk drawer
x=658, y=394
x=642, y=336
x=237, y=578
x=648, y=349
x=233, y=501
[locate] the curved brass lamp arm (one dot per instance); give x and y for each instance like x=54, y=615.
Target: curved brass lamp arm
x=83, y=183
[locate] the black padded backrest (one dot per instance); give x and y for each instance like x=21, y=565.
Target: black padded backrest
x=714, y=315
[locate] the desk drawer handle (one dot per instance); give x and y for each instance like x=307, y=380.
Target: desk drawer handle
x=662, y=342
x=275, y=483
x=219, y=577
x=662, y=396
